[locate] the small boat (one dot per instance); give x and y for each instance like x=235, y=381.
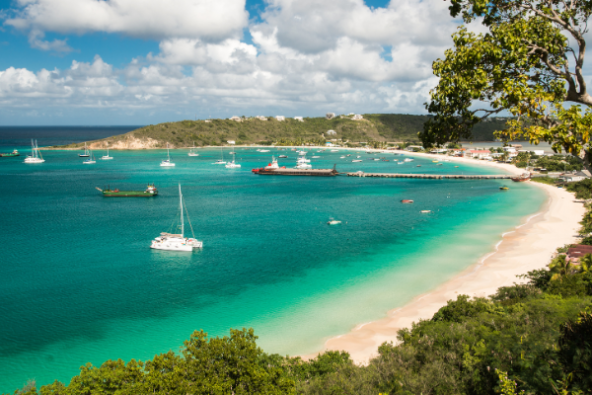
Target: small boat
x=357, y=160
x=407, y=201
x=434, y=161
x=106, y=157
x=455, y=166
x=86, y=154
x=439, y=164
x=35, y=156
x=167, y=162
x=358, y=157
x=285, y=156
x=334, y=150
x=342, y=157
x=13, y=153
x=303, y=160
x=233, y=164
x=408, y=160
x=504, y=188
x=333, y=222
x=426, y=211
x=264, y=150
x=348, y=155
x=418, y=166
x=400, y=163
x=232, y=153
x=191, y=152
x=316, y=157
x=385, y=160
x=91, y=160
x=177, y=242
x=303, y=166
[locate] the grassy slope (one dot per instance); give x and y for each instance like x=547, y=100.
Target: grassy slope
x=377, y=127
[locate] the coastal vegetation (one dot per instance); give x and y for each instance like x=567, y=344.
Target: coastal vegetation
x=374, y=129
x=533, y=338
x=528, y=63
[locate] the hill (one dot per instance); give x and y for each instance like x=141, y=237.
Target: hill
x=374, y=127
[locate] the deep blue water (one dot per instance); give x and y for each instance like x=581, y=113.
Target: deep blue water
x=79, y=284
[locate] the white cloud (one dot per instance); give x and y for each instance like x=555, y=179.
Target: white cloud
x=158, y=19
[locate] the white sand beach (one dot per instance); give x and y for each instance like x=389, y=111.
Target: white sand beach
x=528, y=247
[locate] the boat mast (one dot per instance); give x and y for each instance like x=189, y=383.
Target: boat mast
x=181, y=210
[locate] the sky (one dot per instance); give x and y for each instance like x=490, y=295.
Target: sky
x=136, y=62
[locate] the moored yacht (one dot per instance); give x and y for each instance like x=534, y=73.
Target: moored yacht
x=35, y=156
x=167, y=162
x=86, y=154
x=106, y=157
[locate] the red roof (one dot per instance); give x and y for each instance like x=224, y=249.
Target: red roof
x=579, y=250
x=475, y=151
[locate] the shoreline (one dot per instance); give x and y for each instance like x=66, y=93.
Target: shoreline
x=528, y=246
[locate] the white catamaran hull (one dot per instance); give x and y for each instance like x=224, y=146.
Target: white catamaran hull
x=171, y=246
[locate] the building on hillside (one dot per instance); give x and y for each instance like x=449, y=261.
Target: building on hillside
x=208, y=121
x=357, y=117
x=300, y=119
x=439, y=151
x=261, y=118
x=509, y=149
x=330, y=115
x=331, y=133
x=575, y=252
x=231, y=142
x=538, y=152
x=235, y=118
x=280, y=118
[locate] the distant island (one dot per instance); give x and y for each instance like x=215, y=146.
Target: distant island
x=261, y=130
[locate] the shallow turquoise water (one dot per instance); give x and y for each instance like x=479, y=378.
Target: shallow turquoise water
x=79, y=284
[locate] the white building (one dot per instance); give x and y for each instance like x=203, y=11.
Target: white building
x=231, y=142
x=538, y=152
x=299, y=119
x=330, y=115
x=331, y=133
x=261, y=118
x=573, y=177
x=509, y=149
x=280, y=118
x=235, y=118
x=357, y=117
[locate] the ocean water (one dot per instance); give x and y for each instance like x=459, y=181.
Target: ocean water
x=79, y=283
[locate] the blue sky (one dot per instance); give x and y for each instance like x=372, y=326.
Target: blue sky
x=143, y=61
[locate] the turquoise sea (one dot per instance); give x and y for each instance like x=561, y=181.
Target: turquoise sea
x=79, y=283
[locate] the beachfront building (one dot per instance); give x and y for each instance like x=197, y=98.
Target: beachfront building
x=357, y=117
x=479, y=154
x=299, y=119
x=573, y=177
x=280, y=118
x=509, y=149
x=439, y=151
x=231, y=142
x=457, y=151
x=575, y=252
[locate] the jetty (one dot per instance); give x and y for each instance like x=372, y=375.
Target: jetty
x=432, y=176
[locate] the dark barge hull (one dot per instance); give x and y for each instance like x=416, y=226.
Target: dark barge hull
x=298, y=172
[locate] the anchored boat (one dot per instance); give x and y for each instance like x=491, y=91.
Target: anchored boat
x=13, y=153
x=148, y=192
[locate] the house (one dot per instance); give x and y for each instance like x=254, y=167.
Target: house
x=231, y=142
x=575, y=252
x=331, y=132
x=457, y=151
x=330, y=115
x=413, y=148
x=438, y=151
x=299, y=119
x=261, y=118
x=280, y=118
x=509, y=149
x=573, y=177
x=479, y=154
x=235, y=118
x=538, y=152
x=357, y=117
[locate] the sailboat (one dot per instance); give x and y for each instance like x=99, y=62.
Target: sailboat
x=167, y=162
x=91, y=160
x=86, y=154
x=177, y=242
x=191, y=152
x=106, y=157
x=35, y=156
x=220, y=161
x=233, y=164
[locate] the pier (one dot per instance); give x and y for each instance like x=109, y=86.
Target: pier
x=431, y=176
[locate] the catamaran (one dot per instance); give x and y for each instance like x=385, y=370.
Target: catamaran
x=167, y=162
x=86, y=154
x=106, y=157
x=91, y=160
x=35, y=156
x=177, y=241
x=233, y=164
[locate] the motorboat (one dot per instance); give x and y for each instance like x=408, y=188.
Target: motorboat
x=303, y=166
x=408, y=160
x=357, y=160
x=333, y=222
x=177, y=241
x=283, y=156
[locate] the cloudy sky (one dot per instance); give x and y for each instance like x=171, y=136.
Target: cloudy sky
x=114, y=62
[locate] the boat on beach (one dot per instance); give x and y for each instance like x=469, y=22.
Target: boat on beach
x=177, y=241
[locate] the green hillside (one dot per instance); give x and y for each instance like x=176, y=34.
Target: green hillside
x=374, y=127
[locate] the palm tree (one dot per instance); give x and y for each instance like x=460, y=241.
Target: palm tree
x=560, y=267
x=586, y=263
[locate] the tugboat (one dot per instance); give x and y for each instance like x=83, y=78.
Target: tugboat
x=522, y=178
x=13, y=153
x=149, y=192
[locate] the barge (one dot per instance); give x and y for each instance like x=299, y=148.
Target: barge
x=149, y=192
x=275, y=170
x=13, y=153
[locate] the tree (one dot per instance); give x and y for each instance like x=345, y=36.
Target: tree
x=560, y=267
x=528, y=63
